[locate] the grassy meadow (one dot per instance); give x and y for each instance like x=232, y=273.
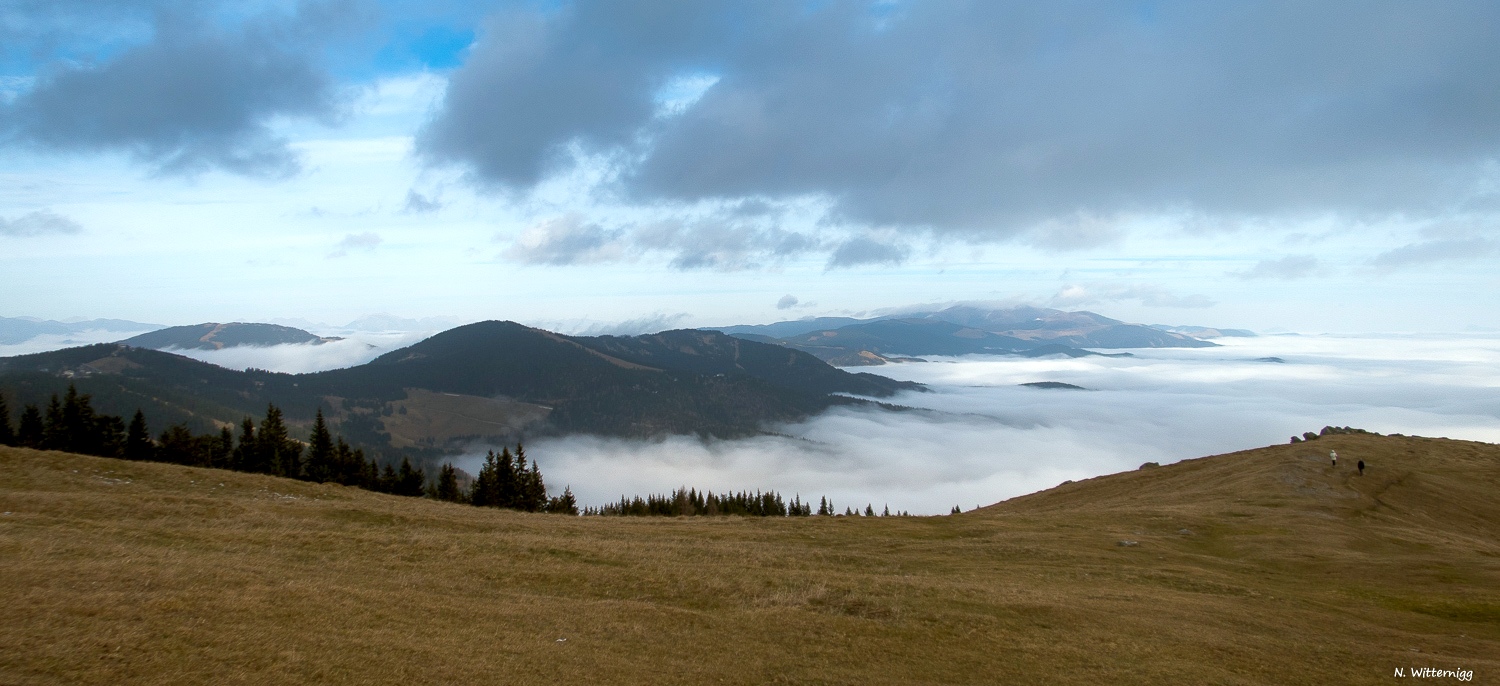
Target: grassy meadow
x=1263, y=566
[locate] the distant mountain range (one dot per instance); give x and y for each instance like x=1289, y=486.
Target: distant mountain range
x=963, y=330
x=21, y=329
x=485, y=380
x=215, y=336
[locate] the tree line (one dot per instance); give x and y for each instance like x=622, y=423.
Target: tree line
x=690, y=502
x=71, y=424
x=505, y=480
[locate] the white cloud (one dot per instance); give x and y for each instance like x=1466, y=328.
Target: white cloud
x=304, y=358
x=356, y=242
x=1149, y=295
x=1289, y=267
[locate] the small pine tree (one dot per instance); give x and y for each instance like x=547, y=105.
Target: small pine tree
x=247, y=454
x=409, y=482
x=30, y=430
x=176, y=445
x=887, y=511
x=54, y=430
x=447, y=484
x=508, y=471
x=138, y=444
x=533, y=490
x=956, y=510
x=388, y=480
x=869, y=511
x=279, y=454
x=564, y=504
x=320, y=467
x=484, y=492
x=224, y=451
x=7, y=434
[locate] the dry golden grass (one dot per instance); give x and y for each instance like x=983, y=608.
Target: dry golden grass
x=1251, y=568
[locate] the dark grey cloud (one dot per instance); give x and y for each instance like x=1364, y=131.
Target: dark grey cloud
x=723, y=244
x=1289, y=267
x=38, y=223
x=713, y=242
x=1441, y=250
x=988, y=118
x=197, y=95
x=787, y=302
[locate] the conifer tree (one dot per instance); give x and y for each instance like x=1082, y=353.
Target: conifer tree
x=369, y=472
x=533, y=491
x=887, y=511
x=77, y=420
x=869, y=511
x=485, y=491
x=507, y=478
x=247, y=453
x=279, y=454
x=138, y=444
x=54, y=433
x=320, y=466
x=30, y=430
x=224, y=450
x=176, y=445
x=447, y=484
x=565, y=503
x=388, y=480
x=409, y=482
x=7, y=434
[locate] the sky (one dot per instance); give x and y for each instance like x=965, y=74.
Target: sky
x=1278, y=166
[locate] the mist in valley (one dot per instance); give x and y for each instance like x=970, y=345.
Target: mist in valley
x=979, y=437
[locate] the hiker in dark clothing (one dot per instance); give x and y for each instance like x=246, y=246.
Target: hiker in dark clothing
x=1361, y=467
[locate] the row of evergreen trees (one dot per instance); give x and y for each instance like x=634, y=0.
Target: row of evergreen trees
x=686, y=502
x=71, y=424
x=505, y=480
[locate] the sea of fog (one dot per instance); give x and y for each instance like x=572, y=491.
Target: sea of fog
x=979, y=437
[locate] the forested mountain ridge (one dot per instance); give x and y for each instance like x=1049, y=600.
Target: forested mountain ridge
x=960, y=330
x=216, y=336
x=488, y=379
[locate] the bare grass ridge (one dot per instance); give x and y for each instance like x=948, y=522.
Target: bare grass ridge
x=1261, y=566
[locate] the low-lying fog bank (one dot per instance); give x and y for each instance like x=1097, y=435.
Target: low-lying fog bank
x=980, y=437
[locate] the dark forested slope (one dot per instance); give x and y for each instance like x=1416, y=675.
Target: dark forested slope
x=674, y=382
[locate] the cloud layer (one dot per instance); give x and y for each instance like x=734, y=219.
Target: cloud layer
x=38, y=223
x=196, y=96
x=987, y=118
x=983, y=438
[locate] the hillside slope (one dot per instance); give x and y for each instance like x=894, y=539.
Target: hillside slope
x=216, y=336
x=1251, y=568
x=961, y=330
x=498, y=379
